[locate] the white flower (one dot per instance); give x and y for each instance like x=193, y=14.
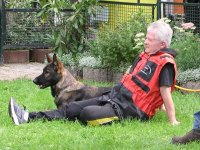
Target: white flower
x=181, y=30
x=166, y=20
x=138, y=35
x=139, y=44
x=177, y=28
x=137, y=39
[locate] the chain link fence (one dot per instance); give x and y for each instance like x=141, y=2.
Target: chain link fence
x=25, y=30
x=21, y=28
x=112, y=14
x=182, y=13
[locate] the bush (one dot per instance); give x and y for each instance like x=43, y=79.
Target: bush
x=81, y=60
x=120, y=46
x=69, y=60
x=69, y=34
x=19, y=3
x=189, y=75
x=90, y=61
x=187, y=46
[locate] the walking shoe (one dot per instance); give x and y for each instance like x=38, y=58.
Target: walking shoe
x=193, y=135
x=18, y=114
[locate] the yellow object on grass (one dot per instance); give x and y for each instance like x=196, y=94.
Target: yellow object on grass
x=186, y=89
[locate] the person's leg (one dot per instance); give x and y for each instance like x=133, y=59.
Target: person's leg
x=17, y=114
x=71, y=111
x=193, y=135
x=197, y=121
x=98, y=115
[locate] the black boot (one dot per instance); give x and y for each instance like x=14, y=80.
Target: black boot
x=193, y=135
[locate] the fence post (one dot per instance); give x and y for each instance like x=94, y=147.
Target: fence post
x=2, y=29
x=158, y=9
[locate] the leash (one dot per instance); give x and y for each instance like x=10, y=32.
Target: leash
x=186, y=89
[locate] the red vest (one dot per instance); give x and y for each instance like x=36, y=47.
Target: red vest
x=143, y=82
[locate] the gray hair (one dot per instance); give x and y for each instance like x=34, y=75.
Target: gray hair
x=163, y=31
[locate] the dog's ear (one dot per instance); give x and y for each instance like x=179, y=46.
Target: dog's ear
x=49, y=59
x=58, y=64
x=55, y=59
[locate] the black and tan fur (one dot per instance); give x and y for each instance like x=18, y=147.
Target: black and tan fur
x=64, y=87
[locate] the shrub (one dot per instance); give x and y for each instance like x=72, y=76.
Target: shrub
x=189, y=75
x=69, y=34
x=81, y=60
x=120, y=46
x=90, y=61
x=187, y=46
x=68, y=60
x=19, y=3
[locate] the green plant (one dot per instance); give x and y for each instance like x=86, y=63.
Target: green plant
x=121, y=45
x=19, y=3
x=69, y=35
x=69, y=60
x=187, y=45
x=25, y=28
x=81, y=60
x=189, y=75
x=90, y=61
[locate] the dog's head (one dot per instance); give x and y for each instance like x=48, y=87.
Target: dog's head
x=52, y=73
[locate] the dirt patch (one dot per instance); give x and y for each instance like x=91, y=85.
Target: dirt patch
x=15, y=71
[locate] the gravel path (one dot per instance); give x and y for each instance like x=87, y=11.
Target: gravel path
x=15, y=71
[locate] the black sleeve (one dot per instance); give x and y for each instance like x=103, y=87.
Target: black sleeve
x=167, y=75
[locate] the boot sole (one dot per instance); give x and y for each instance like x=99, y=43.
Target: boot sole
x=12, y=112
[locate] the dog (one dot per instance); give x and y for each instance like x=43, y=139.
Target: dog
x=64, y=87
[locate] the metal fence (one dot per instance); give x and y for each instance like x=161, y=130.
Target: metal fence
x=21, y=28
x=182, y=12
x=25, y=30
x=113, y=13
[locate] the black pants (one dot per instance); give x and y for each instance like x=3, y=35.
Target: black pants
x=95, y=111
x=116, y=105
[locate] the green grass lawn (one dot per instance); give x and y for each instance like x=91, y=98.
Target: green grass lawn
x=152, y=135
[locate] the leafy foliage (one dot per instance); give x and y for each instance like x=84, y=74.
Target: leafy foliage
x=26, y=28
x=69, y=35
x=189, y=75
x=119, y=46
x=68, y=60
x=90, y=61
x=187, y=45
x=81, y=60
x=19, y=3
